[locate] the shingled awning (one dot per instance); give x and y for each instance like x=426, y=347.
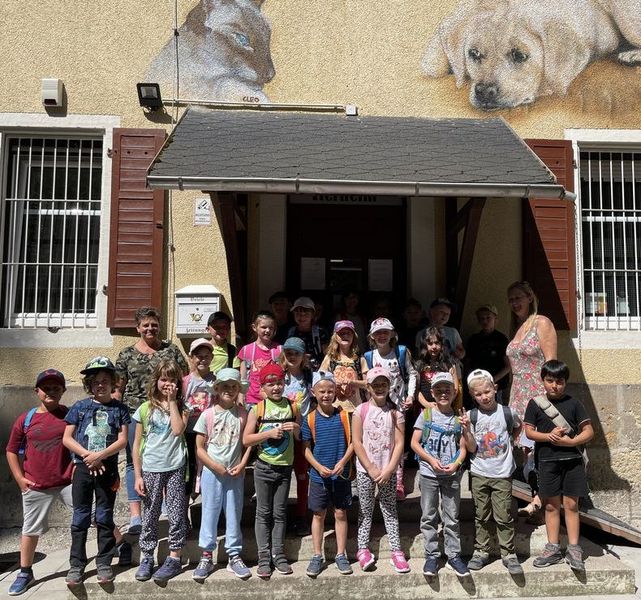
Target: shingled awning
x=258, y=151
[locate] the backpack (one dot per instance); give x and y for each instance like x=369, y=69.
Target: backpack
x=401, y=356
x=429, y=425
x=260, y=414
x=25, y=428
x=347, y=428
x=231, y=355
x=507, y=413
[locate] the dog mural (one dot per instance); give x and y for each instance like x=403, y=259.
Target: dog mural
x=223, y=53
x=514, y=51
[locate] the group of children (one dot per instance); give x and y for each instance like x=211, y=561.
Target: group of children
x=344, y=421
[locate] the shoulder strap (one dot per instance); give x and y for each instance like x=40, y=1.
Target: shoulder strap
x=260, y=413
x=271, y=354
x=231, y=354
x=474, y=416
x=346, y=425
x=28, y=418
x=209, y=423
x=364, y=411
x=552, y=413
x=401, y=357
x=509, y=418
x=316, y=339
x=369, y=358
x=311, y=421
x=358, y=369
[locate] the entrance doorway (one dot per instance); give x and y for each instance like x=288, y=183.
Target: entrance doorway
x=341, y=243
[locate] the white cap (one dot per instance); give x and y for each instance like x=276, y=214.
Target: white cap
x=442, y=378
x=480, y=374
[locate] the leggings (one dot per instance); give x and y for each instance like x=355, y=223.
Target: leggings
x=387, y=502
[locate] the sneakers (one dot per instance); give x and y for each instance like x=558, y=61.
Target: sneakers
x=365, y=558
x=342, y=564
x=170, y=568
x=551, y=555
x=574, y=557
x=458, y=566
x=21, y=584
x=315, y=566
x=512, y=564
x=238, y=567
x=104, y=573
x=135, y=526
x=430, y=568
x=124, y=552
x=74, y=576
x=264, y=570
x=204, y=569
x=281, y=564
x=478, y=561
x=145, y=569
x=400, y=562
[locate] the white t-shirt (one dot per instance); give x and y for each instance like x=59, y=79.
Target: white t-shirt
x=398, y=391
x=442, y=443
x=163, y=451
x=378, y=433
x=225, y=445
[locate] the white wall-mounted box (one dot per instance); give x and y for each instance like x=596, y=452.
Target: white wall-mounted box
x=194, y=304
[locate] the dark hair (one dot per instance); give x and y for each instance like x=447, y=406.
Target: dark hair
x=147, y=311
x=219, y=315
x=277, y=295
x=263, y=314
x=87, y=380
x=413, y=302
x=556, y=369
x=443, y=362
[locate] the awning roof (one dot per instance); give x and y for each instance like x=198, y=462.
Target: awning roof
x=260, y=151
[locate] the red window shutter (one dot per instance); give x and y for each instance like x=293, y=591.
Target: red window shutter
x=549, y=257
x=136, y=235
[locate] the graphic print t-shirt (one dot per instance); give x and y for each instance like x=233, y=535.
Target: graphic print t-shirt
x=257, y=359
x=276, y=451
x=442, y=442
x=493, y=456
x=378, y=432
x=225, y=444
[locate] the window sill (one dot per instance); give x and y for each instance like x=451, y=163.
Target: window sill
x=608, y=340
x=64, y=338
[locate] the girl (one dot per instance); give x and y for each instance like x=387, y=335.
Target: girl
x=160, y=458
x=258, y=354
x=352, y=313
x=386, y=352
x=343, y=360
x=298, y=381
x=434, y=358
x=378, y=434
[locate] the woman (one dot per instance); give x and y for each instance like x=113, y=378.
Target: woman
x=533, y=342
x=135, y=365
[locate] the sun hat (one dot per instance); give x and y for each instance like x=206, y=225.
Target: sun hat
x=480, y=374
x=380, y=324
x=271, y=372
x=319, y=376
x=295, y=344
x=343, y=324
x=98, y=363
x=229, y=374
x=372, y=374
x=52, y=374
x=303, y=302
x=200, y=342
x=442, y=378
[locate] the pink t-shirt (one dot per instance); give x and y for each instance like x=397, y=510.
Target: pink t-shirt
x=255, y=358
x=378, y=433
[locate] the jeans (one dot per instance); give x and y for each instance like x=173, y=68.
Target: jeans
x=130, y=476
x=272, y=490
x=493, y=502
x=447, y=492
x=221, y=493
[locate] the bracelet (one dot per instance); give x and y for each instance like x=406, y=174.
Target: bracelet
x=458, y=462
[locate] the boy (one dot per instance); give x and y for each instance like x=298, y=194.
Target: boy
x=96, y=431
x=279, y=303
x=436, y=441
x=224, y=353
x=44, y=473
x=486, y=349
x=440, y=313
x=220, y=450
x=561, y=470
x=315, y=337
x=488, y=435
x=272, y=425
x=328, y=449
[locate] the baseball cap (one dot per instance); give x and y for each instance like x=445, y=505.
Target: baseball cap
x=319, y=376
x=98, y=363
x=442, y=378
x=219, y=315
x=480, y=374
x=270, y=372
x=303, y=302
x=52, y=374
x=444, y=301
x=380, y=324
x=200, y=342
x=229, y=374
x=295, y=344
x=378, y=372
x=344, y=324
x=490, y=308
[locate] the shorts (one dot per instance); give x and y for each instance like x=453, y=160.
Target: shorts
x=562, y=478
x=336, y=492
x=36, y=505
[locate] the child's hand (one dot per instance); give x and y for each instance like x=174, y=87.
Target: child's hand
x=464, y=419
x=374, y=472
x=171, y=391
x=325, y=472
x=384, y=476
x=275, y=433
x=338, y=468
x=556, y=434
x=407, y=403
x=98, y=469
x=92, y=460
x=236, y=471
x=449, y=469
x=290, y=426
x=139, y=486
x=25, y=484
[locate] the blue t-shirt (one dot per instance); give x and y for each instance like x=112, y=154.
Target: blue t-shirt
x=330, y=443
x=97, y=425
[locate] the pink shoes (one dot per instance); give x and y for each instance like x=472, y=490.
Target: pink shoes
x=365, y=558
x=400, y=562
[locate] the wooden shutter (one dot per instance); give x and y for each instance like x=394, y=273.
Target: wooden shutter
x=136, y=236
x=549, y=257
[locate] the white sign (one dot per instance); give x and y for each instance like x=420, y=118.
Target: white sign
x=380, y=273
x=202, y=211
x=312, y=273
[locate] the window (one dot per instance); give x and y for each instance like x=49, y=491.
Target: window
x=610, y=197
x=51, y=231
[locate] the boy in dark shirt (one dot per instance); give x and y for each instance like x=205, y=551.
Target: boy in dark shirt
x=561, y=470
x=315, y=337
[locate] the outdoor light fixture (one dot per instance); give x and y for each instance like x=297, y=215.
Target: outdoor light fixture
x=149, y=95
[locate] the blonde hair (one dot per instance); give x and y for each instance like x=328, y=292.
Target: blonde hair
x=533, y=309
x=165, y=368
x=333, y=348
x=282, y=361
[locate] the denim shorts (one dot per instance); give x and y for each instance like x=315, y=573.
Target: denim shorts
x=336, y=492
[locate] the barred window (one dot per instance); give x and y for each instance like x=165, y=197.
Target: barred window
x=51, y=224
x=610, y=199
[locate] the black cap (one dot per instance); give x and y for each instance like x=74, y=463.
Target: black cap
x=219, y=315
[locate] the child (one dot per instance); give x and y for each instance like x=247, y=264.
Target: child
x=343, y=360
x=434, y=358
x=350, y=312
x=220, y=450
x=272, y=425
x=198, y=392
x=96, y=431
x=414, y=320
x=398, y=361
x=314, y=336
x=378, y=443
x=488, y=440
x=41, y=466
x=326, y=435
x=560, y=425
x=436, y=441
x=298, y=381
x=257, y=355
x=440, y=313
x=224, y=353
x=486, y=349
x=279, y=303
x=160, y=460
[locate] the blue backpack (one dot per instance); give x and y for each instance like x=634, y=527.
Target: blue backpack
x=25, y=428
x=401, y=357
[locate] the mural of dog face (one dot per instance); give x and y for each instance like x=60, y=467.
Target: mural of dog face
x=513, y=51
x=224, y=53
